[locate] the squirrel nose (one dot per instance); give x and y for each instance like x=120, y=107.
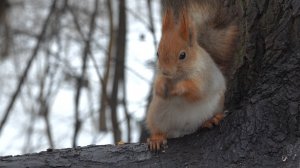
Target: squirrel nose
x=166, y=73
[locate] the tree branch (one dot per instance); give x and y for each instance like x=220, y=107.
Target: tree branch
x=83, y=72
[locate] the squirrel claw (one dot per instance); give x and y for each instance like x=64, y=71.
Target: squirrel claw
x=213, y=121
x=156, y=146
x=156, y=143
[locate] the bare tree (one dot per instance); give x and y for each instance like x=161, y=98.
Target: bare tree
x=262, y=126
x=65, y=44
x=28, y=66
x=4, y=29
x=118, y=70
x=80, y=83
x=104, y=97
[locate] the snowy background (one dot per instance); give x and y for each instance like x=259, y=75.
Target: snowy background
x=29, y=15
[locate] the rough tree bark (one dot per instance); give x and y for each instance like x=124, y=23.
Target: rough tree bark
x=262, y=128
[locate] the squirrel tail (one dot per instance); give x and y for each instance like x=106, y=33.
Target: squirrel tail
x=217, y=32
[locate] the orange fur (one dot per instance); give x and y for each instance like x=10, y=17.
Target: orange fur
x=156, y=141
x=163, y=86
x=188, y=89
x=157, y=138
x=160, y=87
x=184, y=25
x=217, y=31
x=203, y=34
x=218, y=117
x=168, y=20
x=174, y=40
x=213, y=121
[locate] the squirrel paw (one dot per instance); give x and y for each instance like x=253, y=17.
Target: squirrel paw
x=179, y=90
x=188, y=89
x=161, y=89
x=213, y=121
x=157, y=142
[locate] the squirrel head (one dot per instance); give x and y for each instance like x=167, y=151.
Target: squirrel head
x=176, y=52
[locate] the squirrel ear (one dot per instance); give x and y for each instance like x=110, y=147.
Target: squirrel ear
x=184, y=30
x=168, y=20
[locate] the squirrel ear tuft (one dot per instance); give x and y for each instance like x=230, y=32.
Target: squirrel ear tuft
x=168, y=20
x=184, y=29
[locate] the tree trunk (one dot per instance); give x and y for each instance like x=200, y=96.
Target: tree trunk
x=119, y=70
x=262, y=128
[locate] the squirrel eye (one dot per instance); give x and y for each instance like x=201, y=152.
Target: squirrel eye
x=157, y=54
x=182, y=55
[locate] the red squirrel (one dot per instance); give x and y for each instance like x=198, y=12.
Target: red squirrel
x=197, y=44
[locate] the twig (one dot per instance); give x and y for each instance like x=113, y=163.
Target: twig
x=83, y=71
x=152, y=27
x=44, y=102
x=25, y=73
x=127, y=115
x=104, y=98
x=118, y=70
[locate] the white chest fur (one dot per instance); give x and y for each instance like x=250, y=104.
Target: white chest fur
x=177, y=117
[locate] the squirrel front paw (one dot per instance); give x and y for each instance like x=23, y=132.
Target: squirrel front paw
x=156, y=142
x=178, y=90
x=161, y=88
x=215, y=120
x=187, y=89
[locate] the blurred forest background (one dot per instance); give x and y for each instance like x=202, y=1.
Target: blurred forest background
x=74, y=72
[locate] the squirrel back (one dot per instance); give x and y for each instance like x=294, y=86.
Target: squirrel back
x=216, y=28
